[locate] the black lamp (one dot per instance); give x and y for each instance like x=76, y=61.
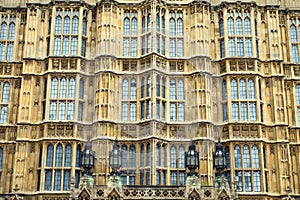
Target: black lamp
x=115, y=157
x=87, y=158
x=219, y=158
x=192, y=159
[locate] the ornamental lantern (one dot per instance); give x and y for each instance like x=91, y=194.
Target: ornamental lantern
x=219, y=158
x=115, y=157
x=87, y=158
x=192, y=159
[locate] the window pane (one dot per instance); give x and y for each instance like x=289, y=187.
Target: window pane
x=247, y=26
x=71, y=90
x=3, y=31
x=5, y=93
x=181, y=112
x=248, y=184
x=2, y=51
x=172, y=112
x=49, y=159
x=251, y=92
x=133, y=112
x=293, y=34
x=133, y=89
x=66, y=46
x=54, y=88
x=173, y=157
x=126, y=26
x=68, y=156
x=221, y=24
x=70, y=115
x=52, y=114
x=239, y=179
x=134, y=26
x=75, y=25
x=237, y=157
x=63, y=88
x=244, y=112
x=48, y=180
x=132, y=156
x=239, y=27
x=248, y=47
x=57, y=178
x=67, y=25
x=246, y=157
x=240, y=47
x=234, y=93
x=255, y=159
x=295, y=53
x=231, y=49
x=125, y=89
x=58, y=25
x=11, y=32
x=179, y=27
x=230, y=26
x=252, y=112
x=124, y=112
x=235, y=111
x=172, y=90
x=9, y=53
x=224, y=90
x=61, y=111
x=256, y=182
x=67, y=180
x=242, y=89
x=56, y=46
x=181, y=163
x=58, y=158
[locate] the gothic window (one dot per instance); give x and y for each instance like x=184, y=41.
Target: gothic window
x=3, y=29
x=163, y=155
x=143, y=24
x=84, y=26
x=9, y=53
x=134, y=26
x=75, y=21
x=255, y=158
x=242, y=89
x=179, y=27
x=142, y=158
x=78, y=156
x=221, y=24
x=67, y=25
x=231, y=47
x=148, y=86
x=49, y=157
x=70, y=115
x=148, y=158
x=11, y=31
x=81, y=88
x=239, y=179
x=293, y=34
x=248, y=47
x=2, y=51
x=125, y=89
x=173, y=157
x=246, y=157
x=68, y=156
x=252, y=112
x=157, y=157
x=52, y=115
x=224, y=90
x=48, y=180
x=149, y=22
x=227, y=155
x=244, y=112
x=124, y=156
x=5, y=92
x=58, y=24
x=172, y=48
x=132, y=156
x=61, y=111
x=239, y=26
x=240, y=47
x=251, y=92
x=57, y=179
x=176, y=48
x=83, y=47
x=67, y=180
x=129, y=106
x=65, y=47
x=158, y=86
x=172, y=89
x=71, y=89
x=235, y=111
x=56, y=46
x=181, y=163
x=222, y=48
x=230, y=23
x=247, y=26
x=237, y=157
x=63, y=87
x=157, y=22
x=126, y=26
x=181, y=178
x=132, y=89
x=58, y=159
x=172, y=27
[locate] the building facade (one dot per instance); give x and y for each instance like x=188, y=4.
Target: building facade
x=155, y=74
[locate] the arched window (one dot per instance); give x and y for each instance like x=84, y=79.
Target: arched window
x=172, y=27
x=230, y=26
x=125, y=89
x=133, y=89
x=58, y=25
x=173, y=157
x=49, y=158
x=148, y=86
x=56, y=45
x=242, y=89
x=63, y=87
x=148, y=158
x=224, y=90
x=54, y=88
x=124, y=156
x=255, y=159
x=143, y=88
x=157, y=155
x=172, y=89
x=227, y=156
x=158, y=85
x=67, y=25
x=163, y=87
x=58, y=157
x=65, y=47
x=163, y=155
x=237, y=157
x=3, y=31
x=239, y=26
x=180, y=89
x=163, y=24
x=221, y=24
x=1, y=158
x=78, y=156
x=251, y=92
x=126, y=26
x=11, y=31
x=246, y=157
x=75, y=25
x=84, y=26
x=234, y=92
x=149, y=22
x=132, y=156
x=134, y=26
x=81, y=88
x=157, y=22
x=298, y=93
x=142, y=158
x=293, y=34
x=181, y=163
x=179, y=27
x=143, y=24
x=247, y=26
x=9, y=54
x=68, y=156
x=71, y=90
x=5, y=93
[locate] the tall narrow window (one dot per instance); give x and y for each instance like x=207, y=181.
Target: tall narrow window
x=71, y=89
x=247, y=26
x=134, y=26
x=3, y=31
x=173, y=157
x=242, y=89
x=65, y=47
x=157, y=156
x=70, y=115
x=63, y=88
x=248, y=183
x=1, y=158
x=61, y=111
x=68, y=156
x=293, y=34
x=58, y=25
x=59, y=156
x=172, y=89
x=230, y=26
x=179, y=27
x=142, y=158
x=125, y=89
x=246, y=157
x=124, y=156
x=231, y=44
x=11, y=31
x=84, y=26
x=49, y=156
x=5, y=93
x=133, y=89
x=239, y=26
x=67, y=25
x=148, y=158
x=75, y=25
x=81, y=88
x=172, y=27
x=237, y=157
x=181, y=154
x=57, y=180
x=234, y=92
x=255, y=158
x=224, y=90
x=256, y=181
x=295, y=53
x=9, y=53
x=132, y=156
x=251, y=92
x=56, y=46
x=126, y=26
x=74, y=45
x=221, y=24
